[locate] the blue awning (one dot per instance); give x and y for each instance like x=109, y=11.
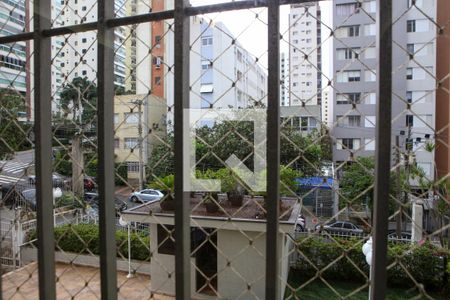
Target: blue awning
x=320, y=182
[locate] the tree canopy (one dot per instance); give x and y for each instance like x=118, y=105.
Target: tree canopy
x=215, y=144
x=13, y=132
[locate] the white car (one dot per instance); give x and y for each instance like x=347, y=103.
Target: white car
x=145, y=195
x=300, y=224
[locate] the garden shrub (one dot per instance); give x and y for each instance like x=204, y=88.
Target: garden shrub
x=426, y=263
x=84, y=239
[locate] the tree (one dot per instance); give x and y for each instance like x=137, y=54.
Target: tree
x=79, y=98
x=13, y=133
x=356, y=184
x=215, y=144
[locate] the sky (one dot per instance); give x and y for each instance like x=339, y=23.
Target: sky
x=251, y=33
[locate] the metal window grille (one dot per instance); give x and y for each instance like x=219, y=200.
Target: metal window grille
x=107, y=23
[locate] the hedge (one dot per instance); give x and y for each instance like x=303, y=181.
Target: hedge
x=84, y=239
x=426, y=263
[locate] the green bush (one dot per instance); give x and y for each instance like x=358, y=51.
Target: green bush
x=425, y=263
x=84, y=239
x=121, y=175
x=68, y=199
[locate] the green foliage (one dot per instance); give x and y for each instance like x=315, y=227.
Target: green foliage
x=357, y=181
x=80, y=96
x=424, y=262
x=85, y=239
x=63, y=163
x=68, y=199
x=121, y=175
x=163, y=183
x=217, y=143
x=14, y=133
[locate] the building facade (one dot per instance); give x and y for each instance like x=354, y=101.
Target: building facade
x=284, y=77
x=305, y=57
x=354, y=80
x=79, y=55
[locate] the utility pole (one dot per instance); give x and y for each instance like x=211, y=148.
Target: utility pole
x=139, y=104
x=399, y=189
x=141, y=163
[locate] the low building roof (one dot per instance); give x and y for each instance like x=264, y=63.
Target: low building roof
x=251, y=211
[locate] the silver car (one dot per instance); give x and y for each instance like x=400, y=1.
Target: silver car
x=145, y=195
x=341, y=228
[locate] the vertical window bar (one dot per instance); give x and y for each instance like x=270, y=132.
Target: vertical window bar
x=105, y=115
x=273, y=152
x=43, y=134
x=182, y=201
x=383, y=149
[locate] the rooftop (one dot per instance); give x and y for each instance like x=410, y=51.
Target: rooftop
x=251, y=209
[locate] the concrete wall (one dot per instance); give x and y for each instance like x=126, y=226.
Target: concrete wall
x=243, y=278
x=29, y=255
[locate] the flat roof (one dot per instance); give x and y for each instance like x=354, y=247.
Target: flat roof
x=252, y=209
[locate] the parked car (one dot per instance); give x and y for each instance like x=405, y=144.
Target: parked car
x=57, y=179
x=88, y=184
x=145, y=195
x=404, y=236
x=91, y=200
x=340, y=227
x=300, y=224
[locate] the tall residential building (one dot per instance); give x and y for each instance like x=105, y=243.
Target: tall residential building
x=80, y=54
x=15, y=69
x=354, y=87
x=158, y=48
x=223, y=74
x=305, y=56
x=284, y=77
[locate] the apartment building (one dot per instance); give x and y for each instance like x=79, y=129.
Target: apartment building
x=305, y=57
x=129, y=128
x=15, y=68
x=79, y=57
x=354, y=86
x=223, y=73
x=284, y=77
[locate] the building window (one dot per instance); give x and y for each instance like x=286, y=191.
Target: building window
x=409, y=96
x=157, y=41
x=83, y=40
x=157, y=61
x=348, y=98
x=116, y=143
x=409, y=73
x=84, y=72
x=131, y=143
x=349, y=76
x=348, y=53
x=410, y=48
x=409, y=121
x=370, y=75
x=116, y=118
x=131, y=118
x=133, y=166
x=369, y=144
x=411, y=26
x=369, y=121
x=347, y=9
x=207, y=41
x=349, y=121
x=157, y=80
x=347, y=31
x=348, y=143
